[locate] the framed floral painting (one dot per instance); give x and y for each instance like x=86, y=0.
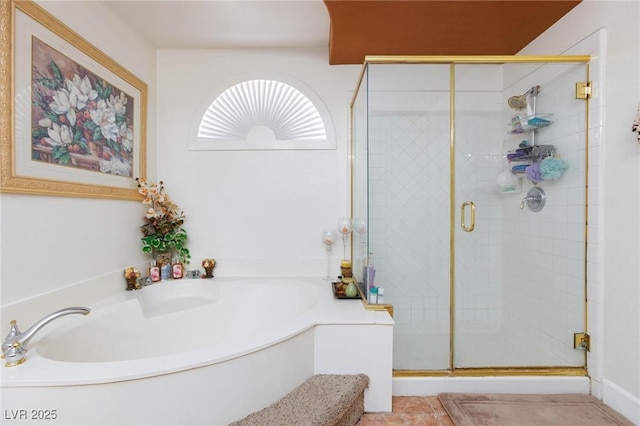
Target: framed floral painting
x=73, y=119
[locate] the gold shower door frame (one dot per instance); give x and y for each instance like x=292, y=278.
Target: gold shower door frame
x=453, y=61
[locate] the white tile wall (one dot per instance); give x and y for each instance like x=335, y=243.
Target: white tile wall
x=543, y=268
x=478, y=138
x=409, y=193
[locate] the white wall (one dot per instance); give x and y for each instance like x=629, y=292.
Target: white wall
x=256, y=212
x=613, y=257
x=51, y=242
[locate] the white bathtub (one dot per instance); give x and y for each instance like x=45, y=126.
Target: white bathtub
x=195, y=352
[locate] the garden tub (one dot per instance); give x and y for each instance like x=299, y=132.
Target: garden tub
x=199, y=351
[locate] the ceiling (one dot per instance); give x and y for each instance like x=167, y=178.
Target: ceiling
x=204, y=24
x=454, y=27
x=351, y=28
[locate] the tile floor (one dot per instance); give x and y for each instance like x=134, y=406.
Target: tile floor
x=410, y=411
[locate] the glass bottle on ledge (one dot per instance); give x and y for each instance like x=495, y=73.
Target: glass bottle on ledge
x=177, y=269
x=328, y=239
x=154, y=271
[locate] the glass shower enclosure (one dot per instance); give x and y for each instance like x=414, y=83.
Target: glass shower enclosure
x=471, y=175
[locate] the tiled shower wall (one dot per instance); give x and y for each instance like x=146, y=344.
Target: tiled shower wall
x=408, y=204
x=478, y=135
x=544, y=253
x=409, y=207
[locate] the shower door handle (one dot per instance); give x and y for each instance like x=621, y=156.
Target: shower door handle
x=463, y=221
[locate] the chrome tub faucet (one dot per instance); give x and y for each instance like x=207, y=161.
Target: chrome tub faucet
x=14, y=345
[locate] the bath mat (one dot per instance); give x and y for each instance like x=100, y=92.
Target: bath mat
x=466, y=409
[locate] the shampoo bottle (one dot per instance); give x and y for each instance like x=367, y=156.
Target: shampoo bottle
x=154, y=271
x=373, y=295
x=165, y=271
x=371, y=276
x=177, y=270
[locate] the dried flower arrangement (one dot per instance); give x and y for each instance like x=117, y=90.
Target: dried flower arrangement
x=162, y=229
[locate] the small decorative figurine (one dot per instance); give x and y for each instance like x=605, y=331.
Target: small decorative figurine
x=208, y=265
x=346, y=269
x=194, y=273
x=131, y=275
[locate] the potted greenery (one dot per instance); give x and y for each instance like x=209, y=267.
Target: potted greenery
x=162, y=230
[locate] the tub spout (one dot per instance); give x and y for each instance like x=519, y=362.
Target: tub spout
x=15, y=344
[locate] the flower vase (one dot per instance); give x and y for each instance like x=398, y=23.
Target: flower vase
x=351, y=290
x=163, y=261
x=162, y=257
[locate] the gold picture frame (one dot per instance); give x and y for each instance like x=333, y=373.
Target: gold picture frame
x=72, y=120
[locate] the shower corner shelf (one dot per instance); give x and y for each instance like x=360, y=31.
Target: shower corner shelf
x=530, y=123
x=523, y=157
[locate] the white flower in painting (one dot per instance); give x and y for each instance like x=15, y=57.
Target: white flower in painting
x=85, y=88
x=61, y=102
x=71, y=116
x=118, y=103
x=105, y=117
x=80, y=91
x=44, y=122
x=75, y=97
x=127, y=137
x=62, y=105
x=58, y=135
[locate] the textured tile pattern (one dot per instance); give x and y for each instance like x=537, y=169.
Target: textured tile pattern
x=543, y=252
x=410, y=410
x=409, y=192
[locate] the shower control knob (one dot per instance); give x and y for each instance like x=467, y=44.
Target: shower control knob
x=535, y=199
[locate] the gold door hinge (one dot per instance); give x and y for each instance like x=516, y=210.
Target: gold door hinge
x=582, y=341
x=583, y=90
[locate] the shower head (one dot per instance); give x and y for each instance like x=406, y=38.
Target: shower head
x=519, y=103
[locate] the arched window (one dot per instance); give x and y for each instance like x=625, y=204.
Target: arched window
x=264, y=114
